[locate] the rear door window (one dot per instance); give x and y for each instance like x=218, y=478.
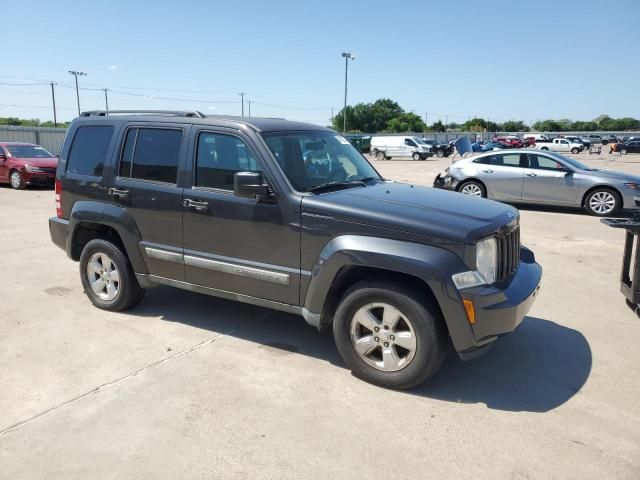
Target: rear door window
x=88, y=153
x=151, y=154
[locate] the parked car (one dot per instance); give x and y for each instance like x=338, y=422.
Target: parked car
x=560, y=145
x=632, y=146
x=362, y=143
x=511, y=141
x=496, y=146
x=542, y=137
x=23, y=164
x=548, y=178
x=594, y=139
x=585, y=143
x=390, y=146
x=609, y=139
x=228, y=207
x=439, y=149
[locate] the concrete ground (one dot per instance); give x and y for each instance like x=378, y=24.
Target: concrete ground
x=188, y=386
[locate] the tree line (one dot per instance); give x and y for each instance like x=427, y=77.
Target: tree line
x=385, y=115
x=31, y=122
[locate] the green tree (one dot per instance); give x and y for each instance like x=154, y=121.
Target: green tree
x=406, y=122
x=438, y=127
x=368, y=117
x=547, y=126
x=514, y=126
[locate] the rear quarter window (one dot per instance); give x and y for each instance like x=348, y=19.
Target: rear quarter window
x=89, y=149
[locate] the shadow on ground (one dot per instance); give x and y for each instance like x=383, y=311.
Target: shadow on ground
x=537, y=368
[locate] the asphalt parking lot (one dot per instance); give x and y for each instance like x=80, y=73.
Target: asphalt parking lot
x=188, y=386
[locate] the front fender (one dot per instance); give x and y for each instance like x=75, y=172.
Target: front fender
x=112, y=216
x=433, y=265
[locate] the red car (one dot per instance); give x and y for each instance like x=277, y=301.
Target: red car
x=512, y=142
x=23, y=164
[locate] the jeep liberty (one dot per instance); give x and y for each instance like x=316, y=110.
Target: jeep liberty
x=290, y=216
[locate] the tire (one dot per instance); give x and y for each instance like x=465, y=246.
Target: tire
x=16, y=181
x=420, y=324
x=603, y=202
x=473, y=188
x=440, y=153
x=380, y=156
x=544, y=148
x=604, y=142
x=623, y=151
x=575, y=150
x=108, y=257
x=415, y=156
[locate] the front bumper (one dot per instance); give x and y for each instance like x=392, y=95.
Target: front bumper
x=501, y=309
x=446, y=182
x=38, y=178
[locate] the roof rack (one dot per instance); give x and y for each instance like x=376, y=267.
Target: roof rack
x=171, y=113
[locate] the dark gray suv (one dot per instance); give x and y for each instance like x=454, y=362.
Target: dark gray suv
x=290, y=216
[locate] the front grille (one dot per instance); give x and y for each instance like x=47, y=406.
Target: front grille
x=47, y=169
x=508, y=253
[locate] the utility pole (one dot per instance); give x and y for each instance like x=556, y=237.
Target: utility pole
x=53, y=99
x=242, y=94
x=106, y=100
x=346, y=56
x=76, y=74
x=426, y=118
x=249, y=108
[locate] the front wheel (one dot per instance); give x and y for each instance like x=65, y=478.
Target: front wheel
x=575, y=150
x=440, y=153
x=415, y=156
x=603, y=203
x=380, y=156
x=389, y=335
x=623, y=151
x=16, y=180
x=473, y=188
x=107, y=276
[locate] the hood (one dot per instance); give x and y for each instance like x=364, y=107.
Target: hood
x=420, y=210
x=613, y=175
x=51, y=162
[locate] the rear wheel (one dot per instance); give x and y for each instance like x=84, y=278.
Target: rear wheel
x=415, y=156
x=380, y=156
x=603, y=202
x=473, y=188
x=16, y=180
x=440, y=153
x=107, y=276
x=544, y=148
x=387, y=336
x=604, y=142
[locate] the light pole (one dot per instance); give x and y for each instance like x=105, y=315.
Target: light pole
x=242, y=94
x=347, y=56
x=75, y=74
x=106, y=100
x=53, y=99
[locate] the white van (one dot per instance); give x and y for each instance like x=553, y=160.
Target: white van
x=537, y=137
x=399, y=146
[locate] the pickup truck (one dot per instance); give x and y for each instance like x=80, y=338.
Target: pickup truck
x=559, y=145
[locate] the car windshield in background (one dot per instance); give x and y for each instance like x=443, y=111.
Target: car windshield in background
x=27, y=151
x=315, y=159
x=572, y=162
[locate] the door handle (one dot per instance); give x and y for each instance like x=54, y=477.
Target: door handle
x=116, y=192
x=195, y=204
x=531, y=174
x=488, y=171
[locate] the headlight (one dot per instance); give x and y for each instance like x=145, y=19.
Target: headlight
x=32, y=169
x=632, y=186
x=486, y=266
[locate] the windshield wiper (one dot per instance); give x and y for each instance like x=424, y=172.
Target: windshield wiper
x=341, y=183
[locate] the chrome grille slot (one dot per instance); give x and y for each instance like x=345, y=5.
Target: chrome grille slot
x=508, y=253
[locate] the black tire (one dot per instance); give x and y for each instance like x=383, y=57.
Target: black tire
x=439, y=153
x=483, y=189
x=380, y=156
x=616, y=207
x=428, y=326
x=129, y=292
x=623, y=151
x=544, y=148
x=575, y=150
x=415, y=156
x=604, y=142
x=19, y=186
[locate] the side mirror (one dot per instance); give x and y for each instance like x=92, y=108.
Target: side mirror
x=3, y=157
x=249, y=185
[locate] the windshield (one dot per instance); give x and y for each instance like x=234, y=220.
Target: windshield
x=572, y=162
x=28, y=151
x=310, y=159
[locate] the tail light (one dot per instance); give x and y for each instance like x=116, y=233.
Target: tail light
x=58, y=199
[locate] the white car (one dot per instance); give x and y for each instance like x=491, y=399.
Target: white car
x=386, y=147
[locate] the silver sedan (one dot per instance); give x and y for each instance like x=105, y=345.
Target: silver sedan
x=549, y=178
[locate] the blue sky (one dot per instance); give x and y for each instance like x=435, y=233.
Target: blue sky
x=495, y=59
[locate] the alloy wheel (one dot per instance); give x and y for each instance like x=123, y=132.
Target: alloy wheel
x=103, y=276
x=471, y=189
x=602, y=202
x=16, y=180
x=383, y=337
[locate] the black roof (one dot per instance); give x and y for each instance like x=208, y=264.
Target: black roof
x=256, y=123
